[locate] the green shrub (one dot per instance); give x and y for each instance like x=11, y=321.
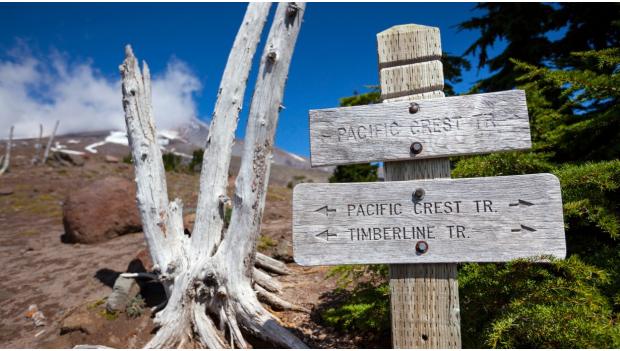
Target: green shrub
x=195, y=165
x=128, y=159
x=135, y=307
x=364, y=309
x=354, y=173
x=298, y=179
x=522, y=304
x=591, y=195
x=508, y=163
x=227, y=216
x=265, y=243
x=171, y=162
x=109, y=315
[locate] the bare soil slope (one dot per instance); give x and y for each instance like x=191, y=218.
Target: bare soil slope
x=69, y=282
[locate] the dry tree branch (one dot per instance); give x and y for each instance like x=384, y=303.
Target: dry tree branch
x=6, y=160
x=49, y=143
x=218, y=150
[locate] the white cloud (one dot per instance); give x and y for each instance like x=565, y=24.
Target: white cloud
x=37, y=90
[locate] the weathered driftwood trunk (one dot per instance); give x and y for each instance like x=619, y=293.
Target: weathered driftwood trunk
x=6, y=159
x=208, y=276
x=38, y=146
x=49, y=143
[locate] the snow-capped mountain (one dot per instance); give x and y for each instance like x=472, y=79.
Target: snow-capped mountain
x=184, y=140
x=194, y=134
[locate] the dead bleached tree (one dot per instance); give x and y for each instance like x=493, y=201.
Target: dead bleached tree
x=49, y=143
x=6, y=159
x=209, y=277
x=38, y=146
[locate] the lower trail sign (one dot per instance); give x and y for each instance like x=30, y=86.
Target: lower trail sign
x=491, y=219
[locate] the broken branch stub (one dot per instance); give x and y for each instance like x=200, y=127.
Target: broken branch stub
x=251, y=183
x=6, y=159
x=218, y=149
x=151, y=191
x=49, y=143
x=38, y=146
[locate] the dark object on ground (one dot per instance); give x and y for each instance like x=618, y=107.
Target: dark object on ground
x=68, y=160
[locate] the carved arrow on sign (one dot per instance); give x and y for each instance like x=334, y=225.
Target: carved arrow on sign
x=325, y=233
x=521, y=202
x=524, y=227
x=325, y=210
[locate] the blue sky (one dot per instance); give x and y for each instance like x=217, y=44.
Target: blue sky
x=186, y=46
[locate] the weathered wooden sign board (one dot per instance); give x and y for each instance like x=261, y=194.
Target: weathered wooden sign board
x=490, y=219
x=460, y=125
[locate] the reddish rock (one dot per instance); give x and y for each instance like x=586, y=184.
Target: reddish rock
x=188, y=222
x=81, y=321
x=101, y=211
x=111, y=159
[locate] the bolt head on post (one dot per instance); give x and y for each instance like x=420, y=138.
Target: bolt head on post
x=414, y=108
x=418, y=194
x=421, y=247
x=416, y=148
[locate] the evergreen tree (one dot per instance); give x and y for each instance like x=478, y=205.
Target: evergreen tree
x=526, y=27
x=562, y=304
x=354, y=173
x=195, y=165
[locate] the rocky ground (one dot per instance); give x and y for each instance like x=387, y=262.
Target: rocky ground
x=69, y=282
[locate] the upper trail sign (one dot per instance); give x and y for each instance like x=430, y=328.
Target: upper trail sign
x=460, y=125
x=422, y=221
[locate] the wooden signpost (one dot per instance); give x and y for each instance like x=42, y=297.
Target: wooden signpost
x=419, y=221
x=429, y=221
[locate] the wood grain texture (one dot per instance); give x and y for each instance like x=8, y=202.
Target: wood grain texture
x=415, y=78
x=460, y=125
x=251, y=183
x=49, y=143
x=501, y=218
x=212, y=198
x=5, y=161
x=163, y=239
x=408, y=43
x=414, y=288
x=424, y=300
x=38, y=146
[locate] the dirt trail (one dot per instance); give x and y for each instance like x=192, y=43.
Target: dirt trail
x=38, y=268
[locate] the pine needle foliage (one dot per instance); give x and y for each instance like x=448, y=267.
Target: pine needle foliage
x=195, y=165
x=523, y=304
x=171, y=161
x=570, y=303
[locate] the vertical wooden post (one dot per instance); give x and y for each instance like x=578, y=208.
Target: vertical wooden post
x=424, y=297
